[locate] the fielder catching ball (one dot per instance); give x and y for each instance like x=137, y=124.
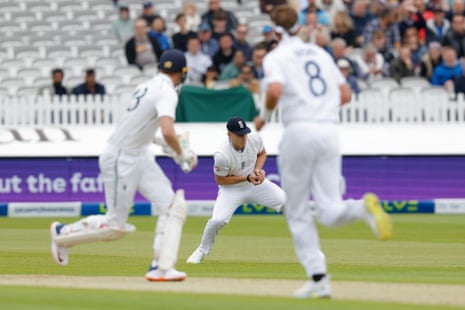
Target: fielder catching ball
x=239, y=173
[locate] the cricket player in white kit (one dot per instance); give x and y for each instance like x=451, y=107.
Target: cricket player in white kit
x=127, y=165
x=238, y=170
x=303, y=79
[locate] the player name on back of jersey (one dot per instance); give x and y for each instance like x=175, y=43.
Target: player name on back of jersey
x=304, y=52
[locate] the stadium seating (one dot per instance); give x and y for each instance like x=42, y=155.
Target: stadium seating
x=38, y=36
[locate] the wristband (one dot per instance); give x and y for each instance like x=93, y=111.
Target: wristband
x=266, y=114
x=248, y=178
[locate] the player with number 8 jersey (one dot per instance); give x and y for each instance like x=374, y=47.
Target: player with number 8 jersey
x=308, y=87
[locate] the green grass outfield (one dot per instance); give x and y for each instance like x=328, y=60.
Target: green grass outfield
x=425, y=249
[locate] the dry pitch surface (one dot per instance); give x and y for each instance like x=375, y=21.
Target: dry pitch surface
x=422, y=294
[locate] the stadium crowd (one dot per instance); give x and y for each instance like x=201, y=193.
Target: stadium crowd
x=368, y=40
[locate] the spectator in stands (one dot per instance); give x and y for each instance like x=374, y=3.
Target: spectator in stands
x=437, y=26
x=268, y=35
x=123, y=27
x=323, y=39
x=309, y=30
x=459, y=82
x=226, y=52
x=360, y=17
x=209, y=46
x=267, y=6
x=210, y=77
x=90, y=85
x=431, y=4
x=192, y=16
x=57, y=88
x=386, y=23
x=215, y=6
x=197, y=62
x=231, y=70
x=402, y=66
x=411, y=17
x=331, y=7
x=142, y=49
x=448, y=70
x=322, y=16
x=220, y=22
x=370, y=63
x=158, y=32
x=180, y=38
x=240, y=42
x=455, y=37
x=338, y=51
x=343, y=27
x=346, y=71
x=417, y=49
x=431, y=60
x=247, y=80
x=458, y=8
x=148, y=13
x=379, y=41
x=258, y=53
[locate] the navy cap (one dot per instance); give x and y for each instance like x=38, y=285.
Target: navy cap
x=147, y=4
x=173, y=60
x=237, y=126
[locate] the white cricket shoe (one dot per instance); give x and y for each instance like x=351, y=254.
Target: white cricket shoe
x=196, y=257
x=60, y=254
x=378, y=220
x=312, y=289
x=157, y=275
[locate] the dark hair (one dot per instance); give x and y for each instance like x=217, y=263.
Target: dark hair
x=225, y=34
x=90, y=72
x=58, y=70
x=179, y=16
x=220, y=15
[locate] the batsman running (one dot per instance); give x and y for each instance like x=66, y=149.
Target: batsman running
x=238, y=169
x=127, y=165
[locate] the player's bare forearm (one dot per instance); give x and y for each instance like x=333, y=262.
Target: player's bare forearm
x=261, y=158
x=230, y=179
x=346, y=93
x=169, y=134
x=273, y=93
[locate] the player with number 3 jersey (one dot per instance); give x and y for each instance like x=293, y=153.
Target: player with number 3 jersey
x=304, y=82
x=127, y=165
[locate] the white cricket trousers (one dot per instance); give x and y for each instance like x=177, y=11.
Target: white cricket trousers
x=310, y=164
x=231, y=197
x=123, y=173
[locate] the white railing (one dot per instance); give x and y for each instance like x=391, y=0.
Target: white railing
x=66, y=110
x=372, y=106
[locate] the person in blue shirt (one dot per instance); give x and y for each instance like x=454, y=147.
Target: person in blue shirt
x=322, y=16
x=448, y=70
x=157, y=32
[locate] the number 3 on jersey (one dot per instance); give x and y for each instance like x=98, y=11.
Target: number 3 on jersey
x=316, y=83
x=136, y=97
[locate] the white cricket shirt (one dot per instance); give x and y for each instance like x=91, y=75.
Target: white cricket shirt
x=151, y=99
x=310, y=81
x=229, y=161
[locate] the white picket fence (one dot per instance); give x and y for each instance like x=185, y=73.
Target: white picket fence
x=372, y=106
x=59, y=111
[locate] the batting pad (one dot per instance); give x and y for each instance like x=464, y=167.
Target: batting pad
x=92, y=235
x=172, y=232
